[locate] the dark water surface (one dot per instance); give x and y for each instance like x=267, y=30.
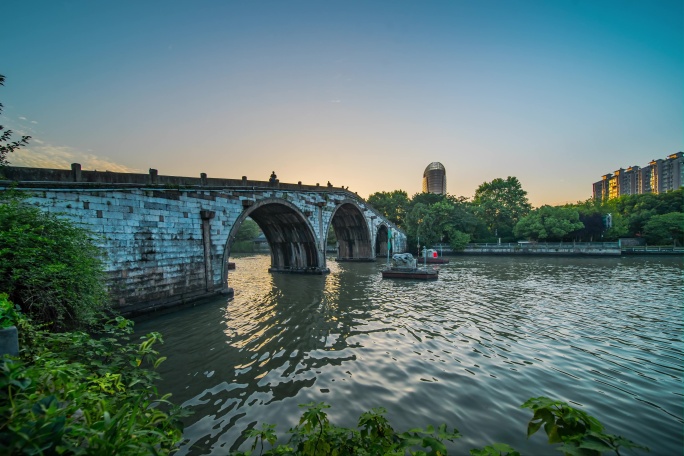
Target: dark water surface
x=606, y=335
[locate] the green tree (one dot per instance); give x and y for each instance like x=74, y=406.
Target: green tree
x=548, y=223
x=6, y=143
x=393, y=205
x=248, y=231
x=332, y=237
x=630, y=214
x=619, y=228
x=458, y=240
x=427, y=199
x=665, y=229
x=424, y=221
x=244, y=238
x=50, y=267
x=464, y=219
x=419, y=226
x=501, y=204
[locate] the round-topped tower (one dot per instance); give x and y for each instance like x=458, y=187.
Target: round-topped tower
x=434, y=179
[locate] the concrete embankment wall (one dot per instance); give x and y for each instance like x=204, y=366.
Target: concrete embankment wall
x=550, y=251
x=566, y=249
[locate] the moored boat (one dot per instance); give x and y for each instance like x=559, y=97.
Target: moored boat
x=432, y=257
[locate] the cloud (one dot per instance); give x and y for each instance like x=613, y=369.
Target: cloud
x=22, y=118
x=42, y=155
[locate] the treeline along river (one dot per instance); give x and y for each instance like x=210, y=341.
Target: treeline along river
x=605, y=334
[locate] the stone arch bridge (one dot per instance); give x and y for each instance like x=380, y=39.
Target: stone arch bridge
x=168, y=239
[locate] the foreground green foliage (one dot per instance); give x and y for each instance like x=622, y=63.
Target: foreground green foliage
x=577, y=432
x=9, y=316
x=71, y=393
x=50, y=267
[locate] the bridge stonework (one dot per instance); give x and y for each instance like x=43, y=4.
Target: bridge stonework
x=168, y=239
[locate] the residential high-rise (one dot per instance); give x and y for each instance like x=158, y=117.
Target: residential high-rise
x=658, y=177
x=434, y=179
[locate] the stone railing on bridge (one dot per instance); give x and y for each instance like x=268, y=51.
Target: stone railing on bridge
x=88, y=178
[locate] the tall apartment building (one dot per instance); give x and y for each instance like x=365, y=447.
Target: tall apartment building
x=658, y=177
x=434, y=179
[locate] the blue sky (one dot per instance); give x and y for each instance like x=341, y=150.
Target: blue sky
x=363, y=94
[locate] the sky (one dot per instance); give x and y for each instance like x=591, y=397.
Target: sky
x=364, y=94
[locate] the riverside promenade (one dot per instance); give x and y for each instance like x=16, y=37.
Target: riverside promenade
x=562, y=249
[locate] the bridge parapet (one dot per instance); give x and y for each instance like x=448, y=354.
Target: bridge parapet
x=76, y=175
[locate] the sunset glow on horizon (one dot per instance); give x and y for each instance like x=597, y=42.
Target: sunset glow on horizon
x=363, y=94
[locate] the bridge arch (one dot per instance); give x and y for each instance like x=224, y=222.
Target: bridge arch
x=352, y=232
x=289, y=233
x=381, y=238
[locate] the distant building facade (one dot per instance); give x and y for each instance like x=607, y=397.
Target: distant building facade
x=434, y=179
x=658, y=176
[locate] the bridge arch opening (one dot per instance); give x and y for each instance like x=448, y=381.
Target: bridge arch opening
x=381, y=239
x=352, y=232
x=290, y=237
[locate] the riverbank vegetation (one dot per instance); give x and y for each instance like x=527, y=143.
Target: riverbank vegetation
x=90, y=394
x=500, y=210
x=574, y=431
x=80, y=385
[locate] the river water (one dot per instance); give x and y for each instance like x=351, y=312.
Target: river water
x=605, y=334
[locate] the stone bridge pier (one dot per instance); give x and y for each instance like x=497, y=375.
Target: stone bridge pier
x=168, y=239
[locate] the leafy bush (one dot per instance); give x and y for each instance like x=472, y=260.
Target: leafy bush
x=316, y=436
x=242, y=247
x=458, y=240
x=50, y=267
x=74, y=394
x=666, y=229
x=577, y=431
x=8, y=314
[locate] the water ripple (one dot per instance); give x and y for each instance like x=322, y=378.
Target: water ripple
x=466, y=350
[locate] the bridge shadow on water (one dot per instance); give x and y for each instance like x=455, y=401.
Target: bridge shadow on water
x=268, y=345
